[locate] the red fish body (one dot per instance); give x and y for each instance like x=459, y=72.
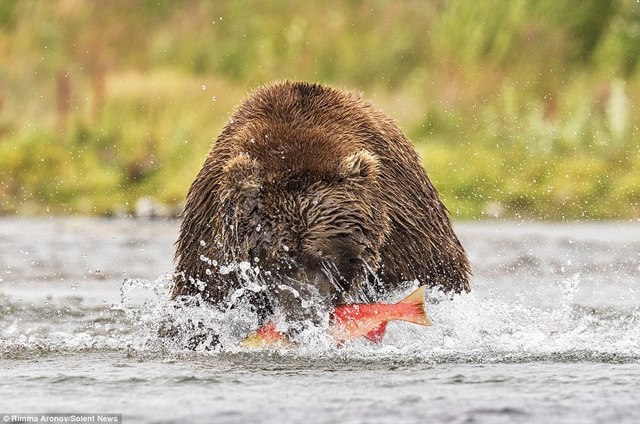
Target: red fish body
x=370, y=319
x=355, y=320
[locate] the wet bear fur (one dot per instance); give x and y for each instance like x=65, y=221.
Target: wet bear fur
x=325, y=199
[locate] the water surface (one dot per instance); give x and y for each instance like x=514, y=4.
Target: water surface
x=550, y=333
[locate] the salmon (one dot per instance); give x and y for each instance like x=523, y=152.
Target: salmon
x=348, y=322
x=370, y=319
x=266, y=336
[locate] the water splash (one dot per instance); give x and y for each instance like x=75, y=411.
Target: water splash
x=471, y=327
x=467, y=328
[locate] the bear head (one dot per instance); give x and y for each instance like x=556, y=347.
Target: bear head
x=314, y=233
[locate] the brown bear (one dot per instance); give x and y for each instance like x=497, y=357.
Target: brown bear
x=322, y=199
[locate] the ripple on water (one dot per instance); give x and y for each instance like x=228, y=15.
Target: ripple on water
x=550, y=334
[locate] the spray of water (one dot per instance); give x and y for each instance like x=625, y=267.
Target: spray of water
x=466, y=328
x=473, y=327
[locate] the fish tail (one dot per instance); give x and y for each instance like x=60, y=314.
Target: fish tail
x=266, y=336
x=418, y=314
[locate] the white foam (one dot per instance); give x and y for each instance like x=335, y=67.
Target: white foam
x=481, y=326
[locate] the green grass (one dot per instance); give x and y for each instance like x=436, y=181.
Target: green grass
x=519, y=109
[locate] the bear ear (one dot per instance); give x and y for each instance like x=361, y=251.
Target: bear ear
x=241, y=175
x=359, y=165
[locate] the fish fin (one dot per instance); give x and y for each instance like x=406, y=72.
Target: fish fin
x=417, y=299
x=377, y=333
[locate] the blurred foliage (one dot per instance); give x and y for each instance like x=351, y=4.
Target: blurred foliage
x=518, y=108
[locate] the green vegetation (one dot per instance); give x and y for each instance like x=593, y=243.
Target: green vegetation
x=519, y=108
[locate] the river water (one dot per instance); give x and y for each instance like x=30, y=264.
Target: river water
x=550, y=333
